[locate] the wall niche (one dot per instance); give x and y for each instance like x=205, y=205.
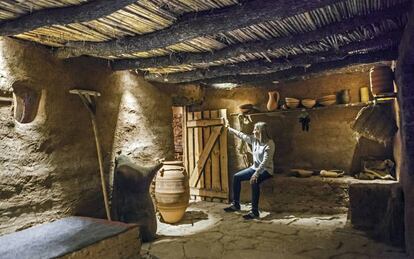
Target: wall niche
x=26, y=102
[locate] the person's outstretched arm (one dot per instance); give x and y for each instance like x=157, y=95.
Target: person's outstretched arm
x=239, y=134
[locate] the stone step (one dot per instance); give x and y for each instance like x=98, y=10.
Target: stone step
x=314, y=195
x=73, y=237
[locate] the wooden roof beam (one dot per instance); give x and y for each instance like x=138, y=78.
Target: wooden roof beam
x=297, y=72
x=264, y=67
x=262, y=46
x=196, y=25
x=60, y=16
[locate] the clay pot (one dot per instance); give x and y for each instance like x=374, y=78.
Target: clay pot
x=172, y=192
x=273, y=102
x=364, y=93
x=344, y=96
x=381, y=80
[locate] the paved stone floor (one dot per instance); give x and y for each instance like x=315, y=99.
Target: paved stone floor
x=208, y=232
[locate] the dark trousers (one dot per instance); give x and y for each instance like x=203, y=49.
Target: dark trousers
x=244, y=175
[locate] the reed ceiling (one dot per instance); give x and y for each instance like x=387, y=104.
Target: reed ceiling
x=178, y=41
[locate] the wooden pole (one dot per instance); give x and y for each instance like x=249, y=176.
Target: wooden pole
x=87, y=99
x=98, y=150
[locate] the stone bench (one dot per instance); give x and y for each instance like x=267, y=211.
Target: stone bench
x=73, y=237
x=314, y=195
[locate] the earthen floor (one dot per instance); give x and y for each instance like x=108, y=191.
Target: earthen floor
x=208, y=232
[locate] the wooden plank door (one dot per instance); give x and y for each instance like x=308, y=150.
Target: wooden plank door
x=205, y=154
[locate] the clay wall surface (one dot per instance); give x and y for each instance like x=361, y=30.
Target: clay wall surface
x=48, y=167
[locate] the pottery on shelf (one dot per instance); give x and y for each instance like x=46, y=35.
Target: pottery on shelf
x=292, y=102
x=364, y=94
x=344, y=96
x=308, y=103
x=327, y=100
x=273, y=102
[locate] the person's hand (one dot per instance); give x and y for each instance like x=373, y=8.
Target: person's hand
x=226, y=122
x=253, y=179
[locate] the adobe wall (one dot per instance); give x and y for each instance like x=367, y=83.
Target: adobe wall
x=48, y=167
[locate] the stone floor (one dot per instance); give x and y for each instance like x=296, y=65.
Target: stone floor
x=208, y=232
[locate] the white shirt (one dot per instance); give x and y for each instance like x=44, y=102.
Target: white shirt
x=262, y=152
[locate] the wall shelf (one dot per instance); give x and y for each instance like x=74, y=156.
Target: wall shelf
x=302, y=109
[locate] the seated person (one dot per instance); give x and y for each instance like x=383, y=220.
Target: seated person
x=262, y=169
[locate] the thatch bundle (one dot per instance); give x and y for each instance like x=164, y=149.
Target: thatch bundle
x=376, y=123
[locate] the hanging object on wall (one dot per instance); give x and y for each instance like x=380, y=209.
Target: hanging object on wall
x=88, y=99
x=381, y=80
x=273, y=102
x=304, y=119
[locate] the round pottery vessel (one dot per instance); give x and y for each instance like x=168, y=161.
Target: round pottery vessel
x=172, y=192
x=344, y=96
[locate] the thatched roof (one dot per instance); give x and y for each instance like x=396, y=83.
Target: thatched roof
x=213, y=40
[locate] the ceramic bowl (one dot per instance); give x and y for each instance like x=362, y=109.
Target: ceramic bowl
x=327, y=102
x=244, y=108
x=327, y=98
x=308, y=103
x=302, y=172
x=292, y=102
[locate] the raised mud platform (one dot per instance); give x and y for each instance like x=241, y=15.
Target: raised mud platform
x=315, y=195
x=73, y=237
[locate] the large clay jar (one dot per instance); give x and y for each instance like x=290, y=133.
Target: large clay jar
x=172, y=192
x=381, y=79
x=273, y=102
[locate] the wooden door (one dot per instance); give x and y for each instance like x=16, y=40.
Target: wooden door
x=205, y=154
